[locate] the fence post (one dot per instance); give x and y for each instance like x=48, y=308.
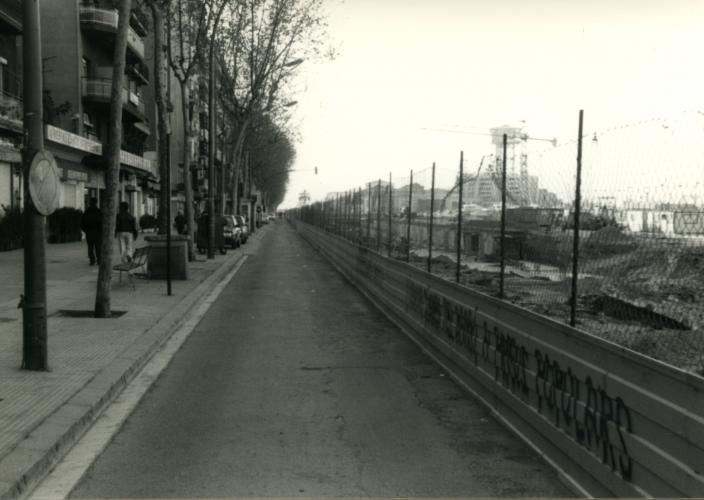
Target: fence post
x=502, y=271
x=339, y=215
x=359, y=217
x=369, y=214
x=347, y=215
x=430, y=226
x=459, y=220
x=378, y=217
x=577, y=209
x=391, y=202
x=408, y=228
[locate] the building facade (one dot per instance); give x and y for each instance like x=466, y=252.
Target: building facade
x=78, y=38
x=11, y=188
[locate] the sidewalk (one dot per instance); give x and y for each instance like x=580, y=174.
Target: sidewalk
x=43, y=413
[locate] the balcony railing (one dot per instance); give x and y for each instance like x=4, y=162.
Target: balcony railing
x=102, y=87
x=140, y=71
x=106, y=19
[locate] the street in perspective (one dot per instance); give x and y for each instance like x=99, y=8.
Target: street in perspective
x=316, y=248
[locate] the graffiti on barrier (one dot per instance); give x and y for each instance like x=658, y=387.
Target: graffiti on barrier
x=560, y=391
x=578, y=406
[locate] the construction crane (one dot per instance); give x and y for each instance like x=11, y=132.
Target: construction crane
x=303, y=198
x=515, y=136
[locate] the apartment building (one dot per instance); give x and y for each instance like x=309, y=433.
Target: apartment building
x=10, y=104
x=78, y=39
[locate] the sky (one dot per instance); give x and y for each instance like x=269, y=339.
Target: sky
x=417, y=81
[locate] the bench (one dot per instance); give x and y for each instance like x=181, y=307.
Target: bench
x=139, y=260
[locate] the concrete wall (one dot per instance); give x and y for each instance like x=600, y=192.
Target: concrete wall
x=612, y=422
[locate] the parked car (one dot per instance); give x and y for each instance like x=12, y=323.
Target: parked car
x=232, y=232
x=242, y=224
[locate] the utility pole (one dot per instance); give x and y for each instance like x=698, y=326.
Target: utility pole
x=33, y=303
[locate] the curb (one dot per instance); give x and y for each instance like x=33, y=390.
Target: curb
x=45, y=446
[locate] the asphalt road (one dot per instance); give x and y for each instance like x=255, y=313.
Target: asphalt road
x=294, y=385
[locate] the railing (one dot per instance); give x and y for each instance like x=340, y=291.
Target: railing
x=102, y=87
x=109, y=18
x=140, y=70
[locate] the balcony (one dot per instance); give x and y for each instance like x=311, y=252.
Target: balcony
x=98, y=89
x=139, y=22
x=11, y=113
x=139, y=71
x=71, y=140
x=11, y=17
x=105, y=21
x=138, y=162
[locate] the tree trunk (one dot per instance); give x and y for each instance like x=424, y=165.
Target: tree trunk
x=212, y=139
x=211, y=152
x=112, y=173
x=163, y=119
x=187, y=179
x=235, y=181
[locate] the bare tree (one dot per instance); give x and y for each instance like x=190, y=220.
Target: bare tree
x=158, y=8
x=263, y=41
x=218, y=6
x=112, y=173
x=189, y=24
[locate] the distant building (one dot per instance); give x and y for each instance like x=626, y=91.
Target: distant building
x=485, y=189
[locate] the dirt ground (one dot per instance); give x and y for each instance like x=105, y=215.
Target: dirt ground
x=647, y=298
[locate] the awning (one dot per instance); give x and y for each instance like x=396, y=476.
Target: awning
x=142, y=127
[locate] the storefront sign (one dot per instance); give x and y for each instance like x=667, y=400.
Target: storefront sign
x=66, y=138
x=74, y=175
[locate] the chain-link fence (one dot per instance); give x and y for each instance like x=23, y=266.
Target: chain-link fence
x=616, y=249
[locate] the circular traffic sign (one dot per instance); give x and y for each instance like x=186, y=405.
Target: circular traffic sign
x=44, y=182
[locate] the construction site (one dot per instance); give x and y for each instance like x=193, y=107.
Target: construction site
x=639, y=267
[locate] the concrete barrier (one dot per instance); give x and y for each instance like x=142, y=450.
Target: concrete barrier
x=611, y=421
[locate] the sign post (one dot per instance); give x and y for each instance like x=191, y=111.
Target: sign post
x=41, y=185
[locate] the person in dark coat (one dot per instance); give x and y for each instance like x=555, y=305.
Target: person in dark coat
x=180, y=223
x=126, y=231
x=92, y=225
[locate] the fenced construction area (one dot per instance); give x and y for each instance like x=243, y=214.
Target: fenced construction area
x=617, y=251
x=577, y=318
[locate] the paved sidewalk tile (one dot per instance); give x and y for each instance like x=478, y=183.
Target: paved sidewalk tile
x=89, y=358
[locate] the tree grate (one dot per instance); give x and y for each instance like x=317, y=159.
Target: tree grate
x=72, y=313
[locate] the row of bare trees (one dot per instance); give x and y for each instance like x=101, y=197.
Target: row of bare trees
x=248, y=51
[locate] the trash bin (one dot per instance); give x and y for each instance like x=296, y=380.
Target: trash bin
x=156, y=265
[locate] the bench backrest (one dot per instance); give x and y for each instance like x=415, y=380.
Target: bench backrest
x=139, y=258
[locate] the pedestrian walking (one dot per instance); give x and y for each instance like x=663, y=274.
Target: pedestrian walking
x=126, y=232
x=92, y=226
